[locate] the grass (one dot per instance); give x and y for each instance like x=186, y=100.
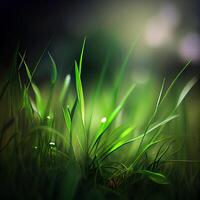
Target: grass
x=66, y=145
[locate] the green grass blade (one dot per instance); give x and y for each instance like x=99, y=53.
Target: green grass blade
x=120, y=106
x=68, y=122
x=30, y=76
x=22, y=59
x=126, y=132
x=20, y=81
x=54, y=70
x=81, y=56
x=154, y=176
x=158, y=159
x=26, y=67
x=145, y=150
x=122, y=143
x=38, y=97
x=162, y=123
x=110, y=119
x=67, y=118
x=40, y=58
x=64, y=88
x=79, y=142
x=118, y=144
x=174, y=81
x=74, y=108
x=160, y=95
x=79, y=90
x=26, y=103
x=185, y=90
x=154, y=114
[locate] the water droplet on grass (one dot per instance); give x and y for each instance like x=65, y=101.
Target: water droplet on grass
x=48, y=117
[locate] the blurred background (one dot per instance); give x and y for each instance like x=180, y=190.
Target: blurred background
x=168, y=32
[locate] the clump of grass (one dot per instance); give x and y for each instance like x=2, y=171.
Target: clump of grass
x=62, y=140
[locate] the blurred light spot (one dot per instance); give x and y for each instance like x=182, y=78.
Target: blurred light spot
x=141, y=77
x=48, y=117
x=68, y=78
x=103, y=120
x=65, y=88
x=67, y=81
x=35, y=147
x=157, y=33
x=190, y=47
x=52, y=143
x=170, y=14
x=159, y=28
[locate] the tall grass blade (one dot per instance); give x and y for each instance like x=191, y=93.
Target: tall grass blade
x=158, y=159
x=64, y=88
x=81, y=56
x=74, y=108
x=22, y=59
x=144, y=150
x=122, y=143
x=38, y=97
x=54, y=70
x=154, y=114
x=79, y=90
x=174, y=81
x=40, y=58
x=67, y=118
x=186, y=89
x=162, y=123
x=118, y=144
x=26, y=103
x=68, y=122
x=27, y=68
